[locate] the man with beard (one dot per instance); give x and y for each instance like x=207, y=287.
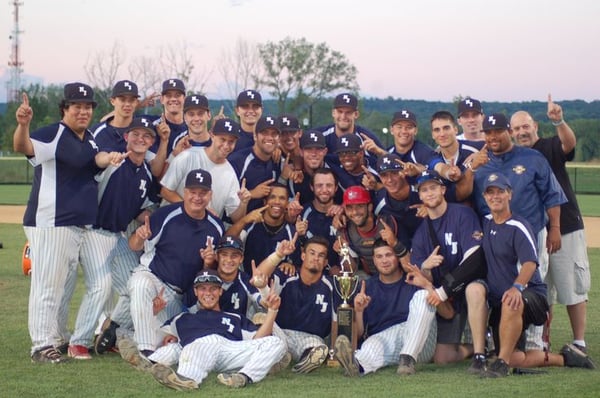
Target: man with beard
x=249, y=109
x=308, y=302
x=255, y=164
x=318, y=215
x=470, y=118
x=265, y=227
x=228, y=198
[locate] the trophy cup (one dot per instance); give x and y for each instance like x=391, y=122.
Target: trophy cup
x=345, y=285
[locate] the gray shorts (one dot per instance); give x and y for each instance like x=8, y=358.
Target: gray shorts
x=450, y=331
x=568, y=277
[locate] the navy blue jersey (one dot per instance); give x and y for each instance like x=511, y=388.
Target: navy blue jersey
x=64, y=191
x=405, y=217
x=465, y=149
x=306, y=193
x=305, y=308
x=331, y=142
x=110, y=138
x=122, y=193
x=319, y=224
x=457, y=231
x=347, y=180
x=176, y=131
x=262, y=241
x=246, y=140
x=173, y=251
x=534, y=185
x=254, y=170
x=420, y=153
x=389, y=304
x=506, y=246
x=203, y=323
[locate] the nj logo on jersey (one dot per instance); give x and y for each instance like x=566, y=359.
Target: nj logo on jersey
x=320, y=300
x=142, y=188
x=449, y=242
x=235, y=300
x=227, y=321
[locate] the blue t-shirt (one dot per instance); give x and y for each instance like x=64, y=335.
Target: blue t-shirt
x=319, y=224
x=262, y=241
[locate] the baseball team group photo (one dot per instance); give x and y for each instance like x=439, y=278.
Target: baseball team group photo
x=190, y=248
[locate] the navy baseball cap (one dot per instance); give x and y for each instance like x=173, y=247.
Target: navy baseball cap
x=495, y=121
x=404, y=115
x=226, y=126
x=429, y=175
x=388, y=163
x=125, y=87
x=230, y=242
x=173, y=84
x=249, y=97
x=346, y=100
x=199, y=178
x=267, y=122
x=288, y=123
x=312, y=139
x=142, y=123
x=208, y=275
x=195, y=101
x=348, y=143
x=469, y=104
x=79, y=92
x=497, y=180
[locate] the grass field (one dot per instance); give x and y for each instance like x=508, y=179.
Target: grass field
x=109, y=375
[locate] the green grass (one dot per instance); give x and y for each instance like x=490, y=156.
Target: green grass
x=109, y=376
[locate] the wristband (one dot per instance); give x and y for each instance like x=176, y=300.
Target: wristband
x=519, y=287
x=272, y=310
x=556, y=124
x=275, y=259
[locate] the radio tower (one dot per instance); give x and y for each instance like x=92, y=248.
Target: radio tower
x=14, y=62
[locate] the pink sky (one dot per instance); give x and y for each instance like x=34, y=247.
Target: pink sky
x=430, y=49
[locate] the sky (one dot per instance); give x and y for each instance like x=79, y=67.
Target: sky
x=514, y=50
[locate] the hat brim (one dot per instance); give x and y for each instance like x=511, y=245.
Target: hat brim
x=148, y=129
x=403, y=120
x=124, y=94
x=172, y=89
x=201, y=186
x=308, y=146
x=84, y=101
x=187, y=108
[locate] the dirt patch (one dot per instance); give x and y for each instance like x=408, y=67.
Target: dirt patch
x=14, y=215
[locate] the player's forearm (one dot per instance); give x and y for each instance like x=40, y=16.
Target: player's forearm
x=359, y=323
x=268, y=265
x=239, y=212
x=553, y=217
x=170, y=196
x=566, y=136
x=135, y=242
x=237, y=227
x=464, y=186
x=21, y=140
x=157, y=165
x=266, y=329
x=526, y=272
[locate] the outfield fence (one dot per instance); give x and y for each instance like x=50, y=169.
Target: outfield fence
x=584, y=177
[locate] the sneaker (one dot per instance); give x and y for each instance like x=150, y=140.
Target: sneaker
x=498, y=368
x=478, y=364
x=282, y=364
x=345, y=355
x=406, y=366
x=575, y=358
x=48, y=355
x=130, y=353
x=234, y=380
x=79, y=352
x=312, y=360
x=168, y=377
x=107, y=340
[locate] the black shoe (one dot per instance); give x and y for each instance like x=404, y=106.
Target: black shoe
x=107, y=340
x=48, y=355
x=406, y=366
x=581, y=348
x=498, y=368
x=575, y=358
x=478, y=364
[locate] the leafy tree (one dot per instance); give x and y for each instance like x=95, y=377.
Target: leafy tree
x=298, y=73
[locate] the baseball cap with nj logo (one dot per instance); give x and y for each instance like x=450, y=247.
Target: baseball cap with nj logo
x=249, y=97
x=348, y=143
x=173, y=84
x=226, y=126
x=498, y=180
x=312, y=139
x=79, y=92
x=404, y=115
x=125, y=87
x=142, y=123
x=267, y=122
x=198, y=179
x=388, y=163
x=346, y=100
x=288, y=123
x=495, y=121
x=469, y=104
x=429, y=175
x=195, y=101
x=230, y=242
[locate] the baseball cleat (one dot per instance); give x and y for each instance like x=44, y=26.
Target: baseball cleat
x=282, y=364
x=498, y=368
x=234, y=380
x=478, y=364
x=311, y=360
x=48, y=355
x=406, y=367
x=79, y=352
x=168, y=377
x=130, y=353
x=107, y=340
x=575, y=358
x=345, y=355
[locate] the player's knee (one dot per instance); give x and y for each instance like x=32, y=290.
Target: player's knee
x=475, y=291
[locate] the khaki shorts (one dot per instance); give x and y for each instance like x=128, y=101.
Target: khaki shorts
x=568, y=277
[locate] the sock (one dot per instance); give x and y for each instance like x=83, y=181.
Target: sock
x=579, y=342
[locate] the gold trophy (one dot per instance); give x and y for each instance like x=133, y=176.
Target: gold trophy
x=345, y=285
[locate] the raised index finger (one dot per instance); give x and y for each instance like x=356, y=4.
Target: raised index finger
x=243, y=183
x=549, y=99
x=25, y=99
x=147, y=222
x=295, y=238
x=363, y=287
x=436, y=250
